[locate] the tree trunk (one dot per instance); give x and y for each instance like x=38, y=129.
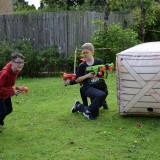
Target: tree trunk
x=106, y=14
x=143, y=14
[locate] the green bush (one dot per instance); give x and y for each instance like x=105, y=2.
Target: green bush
x=46, y=60
x=153, y=29
x=152, y=23
x=5, y=53
x=112, y=41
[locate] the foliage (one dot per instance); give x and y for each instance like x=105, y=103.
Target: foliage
x=21, y=5
x=65, y=4
x=129, y=5
x=152, y=26
x=73, y=5
x=153, y=31
x=114, y=40
x=50, y=59
x=41, y=127
x=5, y=53
x=96, y=5
x=144, y=7
x=43, y=60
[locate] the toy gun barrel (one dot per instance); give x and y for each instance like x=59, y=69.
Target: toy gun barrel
x=100, y=70
x=70, y=76
x=23, y=89
x=94, y=68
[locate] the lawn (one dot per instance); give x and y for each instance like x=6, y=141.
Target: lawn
x=42, y=127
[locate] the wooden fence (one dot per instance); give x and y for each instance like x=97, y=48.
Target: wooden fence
x=66, y=30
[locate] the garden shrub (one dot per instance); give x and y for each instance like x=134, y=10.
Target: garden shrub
x=152, y=30
x=5, y=53
x=114, y=40
x=43, y=60
x=49, y=60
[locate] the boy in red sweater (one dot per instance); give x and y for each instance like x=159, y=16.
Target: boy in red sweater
x=8, y=76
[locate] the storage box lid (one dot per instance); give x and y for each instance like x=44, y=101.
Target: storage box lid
x=149, y=48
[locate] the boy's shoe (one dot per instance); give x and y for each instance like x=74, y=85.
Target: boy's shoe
x=1, y=128
x=1, y=123
x=88, y=115
x=75, y=107
x=105, y=106
x=95, y=113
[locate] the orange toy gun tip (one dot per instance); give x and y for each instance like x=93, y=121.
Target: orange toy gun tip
x=111, y=67
x=23, y=89
x=70, y=76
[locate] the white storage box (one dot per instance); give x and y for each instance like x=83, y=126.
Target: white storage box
x=138, y=80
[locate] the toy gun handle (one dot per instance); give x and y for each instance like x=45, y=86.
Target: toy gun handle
x=102, y=72
x=98, y=70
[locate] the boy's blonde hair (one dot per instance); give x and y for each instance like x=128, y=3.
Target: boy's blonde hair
x=88, y=47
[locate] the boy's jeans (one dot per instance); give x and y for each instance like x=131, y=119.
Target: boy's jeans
x=97, y=98
x=5, y=109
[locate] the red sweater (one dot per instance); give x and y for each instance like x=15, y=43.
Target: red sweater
x=7, y=81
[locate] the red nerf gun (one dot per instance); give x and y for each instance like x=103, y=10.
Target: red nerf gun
x=70, y=76
x=22, y=89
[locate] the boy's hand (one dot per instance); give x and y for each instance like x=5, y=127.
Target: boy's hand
x=109, y=71
x=16, y=92
x=66, y=82
x=90, y=75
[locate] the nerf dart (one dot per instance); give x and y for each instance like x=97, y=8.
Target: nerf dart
x=139, y=124
x=82, y=59
x=23, y=89
x=67, y=76
x=75, y=55
x=100, y=70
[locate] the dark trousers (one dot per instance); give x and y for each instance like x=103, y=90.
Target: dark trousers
x=85, y=100
x=83, y=97
x=5, y=109
x=97, y=98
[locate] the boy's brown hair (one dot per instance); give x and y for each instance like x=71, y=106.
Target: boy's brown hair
x=16, y=55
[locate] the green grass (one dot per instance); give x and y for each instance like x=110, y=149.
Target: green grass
x=41, y=127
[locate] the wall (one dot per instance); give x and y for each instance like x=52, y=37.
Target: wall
x=6, y=7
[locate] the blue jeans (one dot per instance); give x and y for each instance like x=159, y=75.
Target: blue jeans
x=5, y=109
x=97, y=98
